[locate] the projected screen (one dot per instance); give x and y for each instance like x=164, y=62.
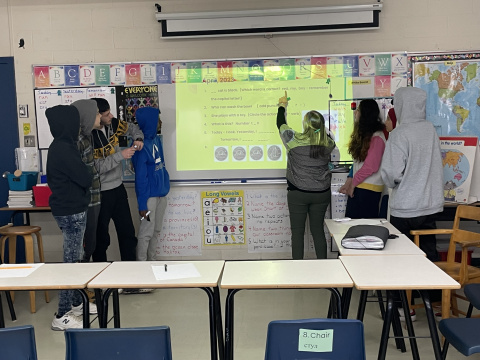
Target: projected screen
x=223, y=126
x=229, y=126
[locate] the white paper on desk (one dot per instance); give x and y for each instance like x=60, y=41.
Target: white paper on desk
x=180, y=271
x=17, y=270
x=365, y=222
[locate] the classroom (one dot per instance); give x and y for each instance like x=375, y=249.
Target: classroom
x=35, y=34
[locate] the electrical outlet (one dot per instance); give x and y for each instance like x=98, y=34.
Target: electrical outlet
x=29, y=141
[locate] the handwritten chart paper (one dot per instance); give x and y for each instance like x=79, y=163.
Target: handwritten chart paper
x=172, y=272
x=181, y=231
x=17, y=270
x=267, y=221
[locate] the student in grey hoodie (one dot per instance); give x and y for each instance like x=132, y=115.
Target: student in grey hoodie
x=89, y=120
x=412, y=167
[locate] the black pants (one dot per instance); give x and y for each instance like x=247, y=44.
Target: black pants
x=364, y=204
x=115, y=206
x=428, y=243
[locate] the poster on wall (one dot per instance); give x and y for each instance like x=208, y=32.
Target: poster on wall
x=452, y=83
x=458, y=159
x=181, y=228
x=223, y=217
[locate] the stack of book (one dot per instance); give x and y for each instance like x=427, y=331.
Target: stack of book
x=20, y=198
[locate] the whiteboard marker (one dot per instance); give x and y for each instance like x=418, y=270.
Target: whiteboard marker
x=146, y=215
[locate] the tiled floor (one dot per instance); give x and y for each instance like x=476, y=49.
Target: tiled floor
x=185, y=311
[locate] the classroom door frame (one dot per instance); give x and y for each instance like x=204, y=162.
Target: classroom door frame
x=9, y=126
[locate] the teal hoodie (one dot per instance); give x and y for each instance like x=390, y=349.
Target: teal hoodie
x=412, y=161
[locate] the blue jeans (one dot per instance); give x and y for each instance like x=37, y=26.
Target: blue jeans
x=73, y=228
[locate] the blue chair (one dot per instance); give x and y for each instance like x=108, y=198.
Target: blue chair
x=462, y=333
x=472, y=292
x=18, y=343
x=145, y=343
x=313, y=339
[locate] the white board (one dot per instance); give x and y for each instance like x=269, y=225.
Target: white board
x=45, y=98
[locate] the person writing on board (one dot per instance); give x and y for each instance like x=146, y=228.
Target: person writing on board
x=308, y=177
x=114, y=205
x=70, y=180
x=152, y=183
x=364, y=184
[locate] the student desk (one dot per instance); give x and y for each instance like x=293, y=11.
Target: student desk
x=402, y=273
x=26, y=211
x=399, y=246
x=280, y=274
x=58, y=277
x=139, y=274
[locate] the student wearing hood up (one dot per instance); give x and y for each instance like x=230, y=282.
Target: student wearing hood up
x=89, y=120
x=70, y=180
x=152, y=183
x=412, y=168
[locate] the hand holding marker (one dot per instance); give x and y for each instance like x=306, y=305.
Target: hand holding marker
x=283, y=101
x=146, y=216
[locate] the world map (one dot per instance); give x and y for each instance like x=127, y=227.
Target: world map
x=453, y=95
x=456, y=169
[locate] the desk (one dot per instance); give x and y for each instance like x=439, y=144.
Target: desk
x=401, y=273
x=139, y=274
x=58, y=277
x=26, y=210
x=280, y=274
x=399, y=246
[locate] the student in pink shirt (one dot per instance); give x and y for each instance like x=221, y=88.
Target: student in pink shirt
x=364, y=184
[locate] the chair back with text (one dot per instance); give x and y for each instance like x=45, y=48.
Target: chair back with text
x=313, y=339
x=145, y=343
x=18, y=343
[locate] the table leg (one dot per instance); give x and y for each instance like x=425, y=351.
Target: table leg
x=218, y=313
x=397, y=330
x=213, y=321
x=361, y=305
x=116, y=309
x=98, y=301
x=408, y=322
x=382, y=351
x=337, y=308
x=229, y=311
x=86, y=312
x=432, y=325
x=346, y=297
x=2, y=319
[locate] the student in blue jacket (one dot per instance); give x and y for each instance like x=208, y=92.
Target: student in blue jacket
x=152, y=183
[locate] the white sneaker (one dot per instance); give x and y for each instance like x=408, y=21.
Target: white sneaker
x=67, y=321
x=78, y=310
x=413, y=315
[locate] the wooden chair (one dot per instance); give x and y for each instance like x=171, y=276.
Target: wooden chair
x=460, y=271
x=11, y=232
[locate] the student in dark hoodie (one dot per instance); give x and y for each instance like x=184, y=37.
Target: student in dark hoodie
x=152, y=183
x=70, y=180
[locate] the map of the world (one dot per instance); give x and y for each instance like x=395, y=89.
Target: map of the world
x=453, y=95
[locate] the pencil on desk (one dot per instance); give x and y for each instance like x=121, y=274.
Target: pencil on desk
x=15, y=267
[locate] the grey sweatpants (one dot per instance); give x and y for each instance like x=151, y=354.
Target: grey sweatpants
x=149, y=230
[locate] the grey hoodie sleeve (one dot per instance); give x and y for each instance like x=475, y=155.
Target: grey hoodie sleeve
x=134, y=131
x=106, y=164
x=393, y=164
